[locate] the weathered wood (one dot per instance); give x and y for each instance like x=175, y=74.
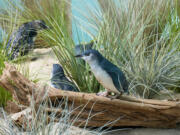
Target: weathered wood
x=23, y=119
x=11, y=107
x=20, y=87
x=126, y=111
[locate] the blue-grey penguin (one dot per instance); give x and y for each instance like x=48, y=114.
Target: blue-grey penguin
x=108, y=74
x=22, y=40
x=59, y=80
x=79, y=49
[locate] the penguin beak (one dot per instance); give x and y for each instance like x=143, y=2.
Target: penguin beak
x=48, y=27
x=78, y=56
x=44, y=26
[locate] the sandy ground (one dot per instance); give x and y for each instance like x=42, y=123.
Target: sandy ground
x=40, y=68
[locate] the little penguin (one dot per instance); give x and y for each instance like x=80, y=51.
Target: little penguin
x=108, y=74
x=59, y=80
x=22, y=40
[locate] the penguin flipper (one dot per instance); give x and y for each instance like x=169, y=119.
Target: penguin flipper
x=117, y=76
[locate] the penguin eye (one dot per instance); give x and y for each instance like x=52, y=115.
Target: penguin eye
x=87, y=54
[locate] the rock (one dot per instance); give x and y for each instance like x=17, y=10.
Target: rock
x=12, y=107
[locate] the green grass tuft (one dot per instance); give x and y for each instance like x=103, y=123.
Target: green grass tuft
x=4, y=94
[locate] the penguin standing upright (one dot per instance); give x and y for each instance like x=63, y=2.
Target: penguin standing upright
x=108, y=74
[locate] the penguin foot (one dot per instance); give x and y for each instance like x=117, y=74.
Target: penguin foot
x=113, y=97
x=34, y=58
x=108, y=95
x=104, y=94
x=116, y=96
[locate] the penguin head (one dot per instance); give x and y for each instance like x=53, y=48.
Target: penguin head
x=80, y=48
x=57, y=69
x=36, y=25
x=91, y=56
x=40, y=24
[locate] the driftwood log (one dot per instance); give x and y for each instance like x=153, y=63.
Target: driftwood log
x=126, y=111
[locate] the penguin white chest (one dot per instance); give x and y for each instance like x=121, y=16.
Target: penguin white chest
x=34, y=38
x=104, y=79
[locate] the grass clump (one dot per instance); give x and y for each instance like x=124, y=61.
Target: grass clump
x=40, y=121
x=143, y=37
x=4, y=94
